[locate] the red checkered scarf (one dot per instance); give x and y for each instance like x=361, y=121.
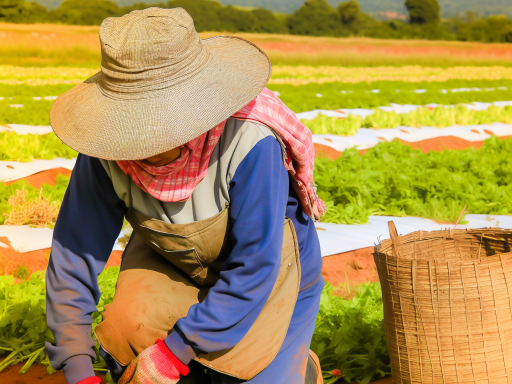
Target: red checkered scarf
x=176, y=180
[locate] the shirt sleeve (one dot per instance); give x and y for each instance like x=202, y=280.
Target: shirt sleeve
x=89, y=222
x=258, y=198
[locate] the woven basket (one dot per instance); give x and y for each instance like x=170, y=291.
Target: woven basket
x=447, y=305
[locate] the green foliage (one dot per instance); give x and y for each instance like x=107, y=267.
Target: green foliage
x=25, y=111
x=423, y=11
x=315, y=18
x=494, y=29
x=393, y=179
x=303, y=98
x=23, y=328
x=22, y=272
x=26, y=148
x=90, y=12
x=55, y=193
x=349, y=336
x=440, y=117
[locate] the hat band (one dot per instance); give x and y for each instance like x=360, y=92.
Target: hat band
x=143, y=84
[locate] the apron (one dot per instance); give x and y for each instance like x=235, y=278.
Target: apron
x=166, y=268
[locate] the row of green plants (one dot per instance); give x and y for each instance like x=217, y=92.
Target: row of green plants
x=349, y=336
x=440, y=117
x=304, y=97
x=392, y=179
x=26, y=148
x=298, y=98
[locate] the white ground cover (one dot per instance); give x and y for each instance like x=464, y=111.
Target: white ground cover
x=339, y=238
x=367, y=138
x=25, y=239
x=14, y=170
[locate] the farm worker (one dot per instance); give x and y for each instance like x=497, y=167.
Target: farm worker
x=220, y=282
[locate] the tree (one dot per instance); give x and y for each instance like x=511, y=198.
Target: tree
x=19, y=11
x=423, y=11
x=205, y=13
x=90, y=12
x=315, y=18
x=350, y=12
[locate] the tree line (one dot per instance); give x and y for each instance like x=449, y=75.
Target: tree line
x=314, y=18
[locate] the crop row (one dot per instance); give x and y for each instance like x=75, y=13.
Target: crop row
x=349, y=334
x=18, y=106
x=440, y=117
x=26, y=148
x=301, y=75
x=392, y=179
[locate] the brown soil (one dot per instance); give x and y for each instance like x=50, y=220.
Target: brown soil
x=355, y=266
x=37, y=374
x=45, y=177
x=436, y=144
x=10, y=260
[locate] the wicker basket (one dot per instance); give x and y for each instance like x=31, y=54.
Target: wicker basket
x=447, y=305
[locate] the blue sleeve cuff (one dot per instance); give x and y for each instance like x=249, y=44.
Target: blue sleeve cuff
x=177, y=345
x=77, y=368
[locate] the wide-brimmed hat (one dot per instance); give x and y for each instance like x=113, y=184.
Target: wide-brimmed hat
x=160, y=86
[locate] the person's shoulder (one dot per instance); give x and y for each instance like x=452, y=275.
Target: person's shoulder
x=246, y=134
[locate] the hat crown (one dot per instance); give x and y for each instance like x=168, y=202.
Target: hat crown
x=143, y=45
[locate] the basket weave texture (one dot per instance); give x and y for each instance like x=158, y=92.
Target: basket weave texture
x=447, y=305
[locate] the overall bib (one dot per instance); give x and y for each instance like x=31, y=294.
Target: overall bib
x=167, y=268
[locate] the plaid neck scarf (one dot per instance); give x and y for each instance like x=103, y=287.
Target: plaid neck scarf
x=176, y=181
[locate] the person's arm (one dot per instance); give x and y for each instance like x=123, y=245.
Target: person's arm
x=89, y=221
x=258, y=197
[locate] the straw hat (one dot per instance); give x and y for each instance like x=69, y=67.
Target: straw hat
x=160, y=86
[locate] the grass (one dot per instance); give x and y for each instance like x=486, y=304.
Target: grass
x=59, y=45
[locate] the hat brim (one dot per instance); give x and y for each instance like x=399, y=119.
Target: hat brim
x=92, y=123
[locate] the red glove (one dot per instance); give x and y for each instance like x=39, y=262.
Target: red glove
x=90, y=380
x=156, y=365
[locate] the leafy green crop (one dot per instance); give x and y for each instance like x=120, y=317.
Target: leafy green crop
x=361, y=95
x=396, y=180
x=23, y=329
x=440, y=117
x=349, y=336
x=55, y=193
x=26, y=148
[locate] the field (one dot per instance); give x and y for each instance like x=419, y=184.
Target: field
x=386, y=90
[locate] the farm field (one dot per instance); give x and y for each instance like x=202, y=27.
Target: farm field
x=402, y=129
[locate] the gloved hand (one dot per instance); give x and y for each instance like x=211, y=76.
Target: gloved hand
x=156, y=365
x=90, y=380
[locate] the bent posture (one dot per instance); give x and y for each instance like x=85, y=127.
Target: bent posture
x=220, y=282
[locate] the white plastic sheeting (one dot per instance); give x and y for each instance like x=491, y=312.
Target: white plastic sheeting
x=22, y=129
x=334, y=238
x=367, y=138
x=25, y=239
x=398, y=108
x=339, y=238
x=14, y=170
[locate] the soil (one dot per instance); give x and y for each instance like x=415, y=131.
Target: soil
x=45, y=177
x=356, y=266
x=35, y=261
x=435, y=144
x=37, y=374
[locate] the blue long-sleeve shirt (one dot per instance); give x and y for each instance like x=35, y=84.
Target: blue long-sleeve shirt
x=90, y=220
